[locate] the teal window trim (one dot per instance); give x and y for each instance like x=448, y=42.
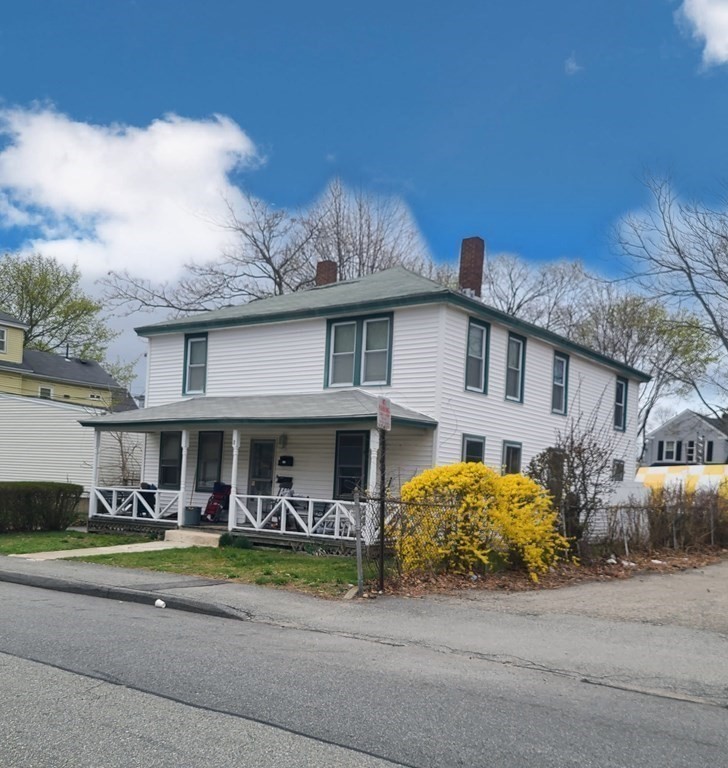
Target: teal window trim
x=365, y=460
x=200, y=484
x=620, y=403
x=190, y=338
x=359, y=324
x=163, y=437
x=521, y=369
x=564, y=386
x=485, y=327
x=504, y=464
x=473, y=439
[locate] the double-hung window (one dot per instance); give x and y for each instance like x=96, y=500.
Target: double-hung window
x=170, y=459
x=559, y=386
x=514, y=367
x=209, y=459
x=511, y=458
x=620, y=404
x=195, y=364
x=476, y=360
x=359, y=351
x=3, y=340
x=473, y=448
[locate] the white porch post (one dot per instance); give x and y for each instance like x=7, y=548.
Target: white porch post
x=94, y=473
x=372, y=474
x=182, y=476
x=234, y=480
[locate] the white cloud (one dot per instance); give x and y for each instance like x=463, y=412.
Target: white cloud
x=571, y=66
x=707, y=21
x=118, y=196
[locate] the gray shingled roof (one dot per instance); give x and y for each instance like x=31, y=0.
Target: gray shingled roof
x=321, y=407
x=57, y=367
x=720, y=424
x=380, y=291
x=6, y=318
x=388, y=285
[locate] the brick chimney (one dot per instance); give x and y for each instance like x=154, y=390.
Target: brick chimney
x=325, y=272
x=472, y=255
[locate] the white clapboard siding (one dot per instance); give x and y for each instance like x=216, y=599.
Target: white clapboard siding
x=42, y=440
x=409, y=451
x=591, y=386
x=165, y=360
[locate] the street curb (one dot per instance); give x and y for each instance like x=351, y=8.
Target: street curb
x=121, y=593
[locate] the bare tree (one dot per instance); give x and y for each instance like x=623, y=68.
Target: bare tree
x=275, y=252
x=640, y=332
x=681, y=254
x=365, y=233
x=546, y=294
x=579, y=471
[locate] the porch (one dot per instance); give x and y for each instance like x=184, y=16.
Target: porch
x=280, y=476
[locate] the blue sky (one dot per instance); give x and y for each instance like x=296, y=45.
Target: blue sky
x=528, y=123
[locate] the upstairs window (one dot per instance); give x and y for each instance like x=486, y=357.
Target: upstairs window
x=359, y=352
x=514, y=367
x=473, y=448
x=559, y=383
x=45, y=393
x=690, y=452
x=476, y=360
x=620, y=404
x=195, y=364
x=3, y=340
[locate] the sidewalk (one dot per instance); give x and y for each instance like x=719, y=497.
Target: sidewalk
x=577, y=631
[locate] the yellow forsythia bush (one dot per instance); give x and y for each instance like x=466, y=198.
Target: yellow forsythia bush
x=463, y=518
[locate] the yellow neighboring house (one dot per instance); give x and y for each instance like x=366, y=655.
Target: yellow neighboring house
x=46, y=375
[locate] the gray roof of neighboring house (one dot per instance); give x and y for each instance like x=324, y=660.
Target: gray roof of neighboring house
x=377, y=292
x=53, y=366
x=721, y=425
x=318, y=408
x=6, y=318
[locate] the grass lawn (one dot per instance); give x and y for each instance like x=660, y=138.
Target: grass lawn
x=326, y=576
x=53, y=541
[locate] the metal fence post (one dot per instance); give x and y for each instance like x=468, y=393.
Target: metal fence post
x=357, y=532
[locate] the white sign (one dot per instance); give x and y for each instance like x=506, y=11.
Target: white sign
x=384, y=415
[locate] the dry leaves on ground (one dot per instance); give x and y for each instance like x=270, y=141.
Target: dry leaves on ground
x=563, y=575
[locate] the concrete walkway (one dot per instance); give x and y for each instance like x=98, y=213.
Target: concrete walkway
x=674, y=646
x=172, y=540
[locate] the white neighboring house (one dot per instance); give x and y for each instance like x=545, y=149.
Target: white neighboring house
x=43, y=396
x=688, y=438
x=43, y=439
x=281, y=394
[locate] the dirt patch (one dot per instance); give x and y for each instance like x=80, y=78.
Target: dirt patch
x=564, y=575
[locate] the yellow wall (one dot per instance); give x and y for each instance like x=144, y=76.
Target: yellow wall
x=11, y=383
x=17, y=384
x=67, y=393
x=13, y=346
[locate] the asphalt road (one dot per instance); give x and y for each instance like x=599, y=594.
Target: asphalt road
x=91, y=682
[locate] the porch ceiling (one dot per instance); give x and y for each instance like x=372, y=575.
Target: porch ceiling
x=334, y=407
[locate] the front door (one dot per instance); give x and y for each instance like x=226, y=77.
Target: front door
x=260, y=476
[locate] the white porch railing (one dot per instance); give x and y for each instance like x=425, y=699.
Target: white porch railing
x=331, y=519
x=136, y=503
x=282, y=515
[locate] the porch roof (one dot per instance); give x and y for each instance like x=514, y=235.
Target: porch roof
x=318, y=408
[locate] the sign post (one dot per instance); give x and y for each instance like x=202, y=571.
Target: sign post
x=384, y=425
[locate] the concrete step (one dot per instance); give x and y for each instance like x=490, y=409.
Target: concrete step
x=187, y=538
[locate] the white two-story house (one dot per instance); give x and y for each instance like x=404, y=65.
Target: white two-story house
x=281, y=395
